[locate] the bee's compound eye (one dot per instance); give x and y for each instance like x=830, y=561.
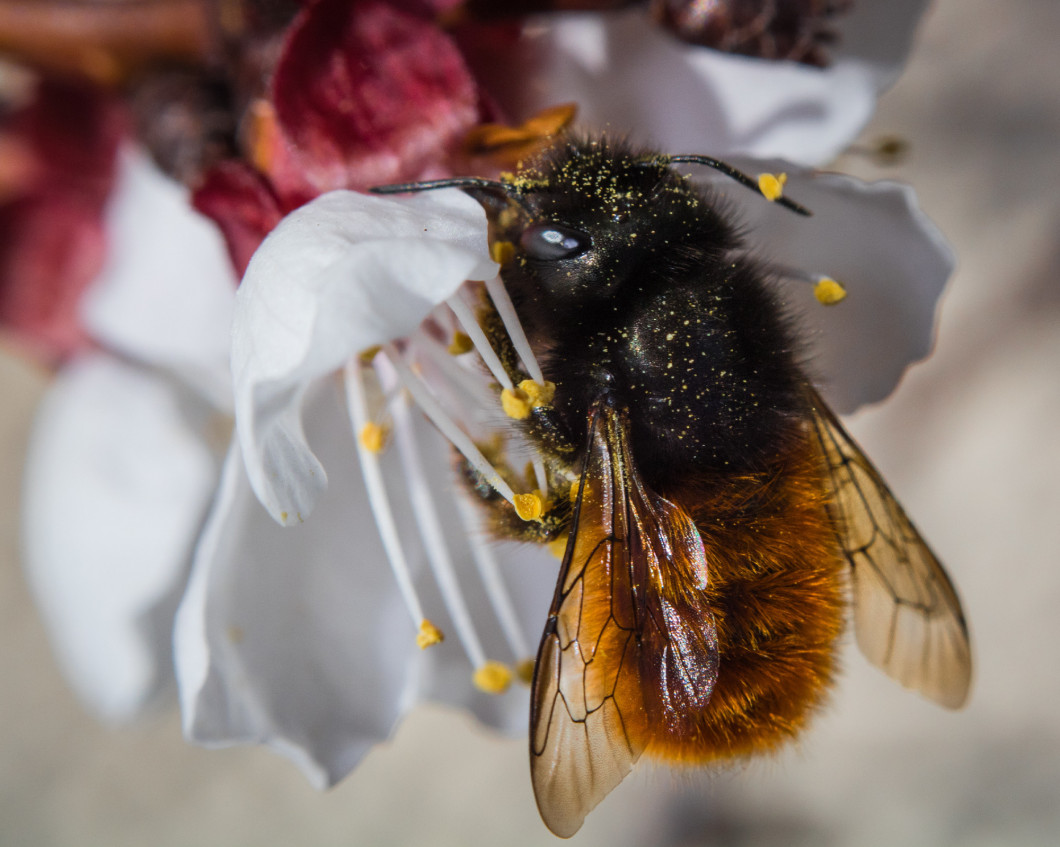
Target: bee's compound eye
x=549, y=242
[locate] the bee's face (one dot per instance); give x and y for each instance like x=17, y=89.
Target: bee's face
x=582, y=226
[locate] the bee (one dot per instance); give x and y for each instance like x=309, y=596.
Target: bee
x=719, y=520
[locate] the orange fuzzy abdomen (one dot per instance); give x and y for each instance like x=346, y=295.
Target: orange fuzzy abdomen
x=776, y=589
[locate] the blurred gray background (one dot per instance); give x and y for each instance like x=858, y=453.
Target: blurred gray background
x=970, y=444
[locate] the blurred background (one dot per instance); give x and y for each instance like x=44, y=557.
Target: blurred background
x=969, y=443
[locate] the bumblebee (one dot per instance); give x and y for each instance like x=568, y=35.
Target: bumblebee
x=719, y=520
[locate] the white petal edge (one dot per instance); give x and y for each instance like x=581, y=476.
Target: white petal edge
x=116, y=486
x=342, y=274
x=166, y=292
x=874, y=239
x=297, y=637
x=629, y=76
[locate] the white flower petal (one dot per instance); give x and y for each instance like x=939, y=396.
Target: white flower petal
x=297, y=637
x=630, y=76
x=116, y=485
x=341, y=274
x=875, y=240
x=166, y=292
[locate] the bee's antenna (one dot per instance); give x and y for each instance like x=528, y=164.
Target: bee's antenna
x=743, y=179
x=483, y=190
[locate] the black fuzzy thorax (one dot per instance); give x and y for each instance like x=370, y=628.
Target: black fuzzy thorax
x=665, y=314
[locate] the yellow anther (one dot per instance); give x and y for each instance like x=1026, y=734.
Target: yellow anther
x=516, y=404
x=772, y=185
x=369, y=353
x=530, y=507
x=460, y=344
x=537, y=393
x=492, y=677
x=428, y=635
x=374, y=437
x=829, y=292
x=525, y=671
x=558, y=546
x=502, y=252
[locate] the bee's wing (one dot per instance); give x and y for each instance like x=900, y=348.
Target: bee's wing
x=907, y=617
x=628, y=644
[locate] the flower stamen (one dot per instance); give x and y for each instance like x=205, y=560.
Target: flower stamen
x=431, y=532
x=492, y=677
x=448, y=427
x=478, y=338
x=496, y=590
x=429, y=635
x=826, y=289
x=503, y=304
x=357, y=407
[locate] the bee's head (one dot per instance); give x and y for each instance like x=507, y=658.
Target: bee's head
x=580, y=220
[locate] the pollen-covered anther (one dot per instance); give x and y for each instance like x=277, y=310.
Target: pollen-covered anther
x=429, y=635
x=516, y=404
x=492, y=677
x=575, y=487
x=532, y=506
x=538, y=393
x=558, y=546
x=772, y=185
x=524, y=670
x=374, y=437
x=460, y=344
x=828, y=291
x=502, y=252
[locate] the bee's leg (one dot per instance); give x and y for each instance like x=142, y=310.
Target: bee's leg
x=503, y=521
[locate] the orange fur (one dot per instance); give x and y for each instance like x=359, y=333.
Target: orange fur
x=776, y=588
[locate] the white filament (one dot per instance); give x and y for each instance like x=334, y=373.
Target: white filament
x=503, y=304
x=478, y=338
x=496, y=590
x=430, y=528
x=357, y=406
x=456, y=436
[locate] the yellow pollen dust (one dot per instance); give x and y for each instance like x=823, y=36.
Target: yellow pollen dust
x=530, y=507
x=829, y=292
x=772, y=185
x=492, y=677
x=428, y=635
x=558, y=546
x=525, y=671
x=575, y=487
x=502, y=252
x=374, y=437
x=460, y=344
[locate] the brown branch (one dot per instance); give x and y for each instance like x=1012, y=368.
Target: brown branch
x=105, y=41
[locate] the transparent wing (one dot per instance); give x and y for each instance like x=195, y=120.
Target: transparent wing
x=907, y=616
x=626, y=646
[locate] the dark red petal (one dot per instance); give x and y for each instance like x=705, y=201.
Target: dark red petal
x=51, y=222
x=244, y=206
x=51, y=248
x=368, y=94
